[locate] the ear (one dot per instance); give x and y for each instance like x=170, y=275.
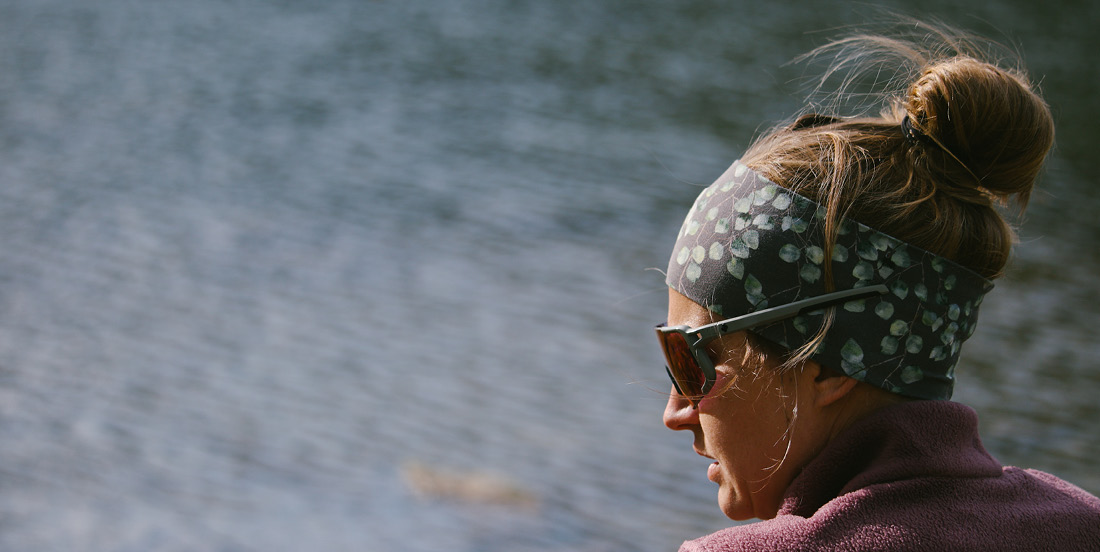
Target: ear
x=828, y=386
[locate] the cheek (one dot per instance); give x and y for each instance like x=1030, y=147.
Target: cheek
x=748, y=413
x=723, y=391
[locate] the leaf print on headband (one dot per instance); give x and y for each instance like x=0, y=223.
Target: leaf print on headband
x=749, y=244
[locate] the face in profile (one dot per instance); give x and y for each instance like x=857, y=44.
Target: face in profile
x=742, y=424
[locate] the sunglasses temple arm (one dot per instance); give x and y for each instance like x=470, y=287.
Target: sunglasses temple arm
x=775, y=314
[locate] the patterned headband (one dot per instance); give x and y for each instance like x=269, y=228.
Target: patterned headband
x=749, y=244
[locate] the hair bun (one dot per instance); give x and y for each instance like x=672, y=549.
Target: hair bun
x=992, y=129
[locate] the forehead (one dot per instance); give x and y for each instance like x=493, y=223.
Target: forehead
x=685, y=312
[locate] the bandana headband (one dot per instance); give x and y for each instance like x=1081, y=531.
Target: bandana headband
x=748, y=244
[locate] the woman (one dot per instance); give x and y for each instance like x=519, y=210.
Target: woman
x=820, y=291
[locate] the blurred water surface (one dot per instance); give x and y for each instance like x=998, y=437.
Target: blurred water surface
x=286, y=276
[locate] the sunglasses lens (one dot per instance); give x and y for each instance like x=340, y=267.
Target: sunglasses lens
x=682, y=367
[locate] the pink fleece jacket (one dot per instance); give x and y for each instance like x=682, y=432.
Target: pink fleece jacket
x=915, y=476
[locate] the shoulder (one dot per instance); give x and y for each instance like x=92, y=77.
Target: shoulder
x=1048, y=497
x=1053, y=484
x=797, y=534
x=1020, y=510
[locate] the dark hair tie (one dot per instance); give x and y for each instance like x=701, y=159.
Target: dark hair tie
x=912, y=135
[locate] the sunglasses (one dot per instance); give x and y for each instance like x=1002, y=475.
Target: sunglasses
x=690, y=367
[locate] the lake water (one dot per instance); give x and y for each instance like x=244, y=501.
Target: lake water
x=376, y=275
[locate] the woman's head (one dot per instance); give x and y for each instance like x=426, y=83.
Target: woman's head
x=906, y=200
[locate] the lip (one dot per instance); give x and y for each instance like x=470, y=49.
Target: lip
x=713, y=473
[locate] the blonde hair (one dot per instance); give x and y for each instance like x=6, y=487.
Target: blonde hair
x=982, y=133
x=988, y=133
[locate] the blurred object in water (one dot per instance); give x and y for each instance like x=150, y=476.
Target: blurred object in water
x=469, y=486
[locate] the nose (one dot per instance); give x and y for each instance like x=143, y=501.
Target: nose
x=679, y=413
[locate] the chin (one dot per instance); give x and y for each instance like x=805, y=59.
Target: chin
x=739, y=509
x=732, y=507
